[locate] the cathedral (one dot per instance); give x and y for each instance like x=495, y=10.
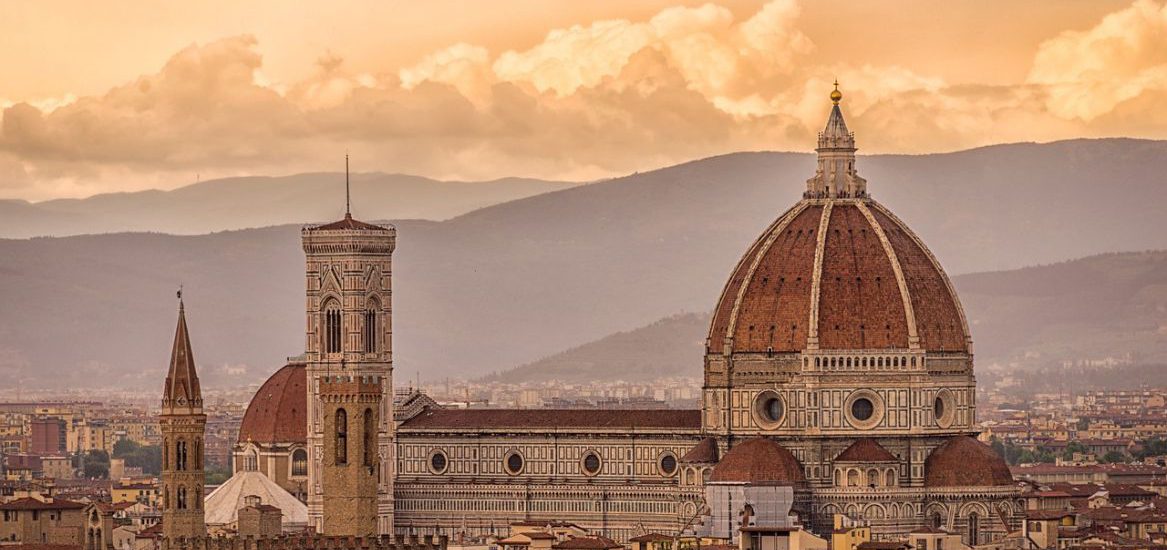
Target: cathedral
x=838, y=367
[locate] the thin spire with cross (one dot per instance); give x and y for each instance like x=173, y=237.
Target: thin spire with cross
x=347, y=197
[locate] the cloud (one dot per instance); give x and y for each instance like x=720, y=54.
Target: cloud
x=587, y=101
x=1088, y=73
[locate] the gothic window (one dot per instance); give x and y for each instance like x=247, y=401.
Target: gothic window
x=973, y=528
x=369, y=433
x=371, y=317
x=341, y=437
x=198, y=455
x=180, y=456
x=166, y=454
x=936, y=521
x=332, y=329
x=299, y=462
x=181, y=498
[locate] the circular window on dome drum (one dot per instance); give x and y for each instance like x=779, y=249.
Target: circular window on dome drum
x=438, y=462
x=769, y=410
x=944, y=408
x=590, y=463
x=864, y=409
x=513, y=463
x=667, y=464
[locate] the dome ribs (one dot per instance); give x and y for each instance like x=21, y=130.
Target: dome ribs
x=278, y=411
x=860, y=305
x=778, y=292
x=726, y=305
x=939, y=318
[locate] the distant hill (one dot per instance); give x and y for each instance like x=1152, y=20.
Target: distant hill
x=1110, y=305
x=239, y=203
x=672, y=346
x=512, y=283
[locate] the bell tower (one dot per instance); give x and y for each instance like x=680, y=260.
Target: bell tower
x=348, y=351
x=183, y=425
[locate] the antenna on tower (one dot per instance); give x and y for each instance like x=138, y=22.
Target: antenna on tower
x=347, y=200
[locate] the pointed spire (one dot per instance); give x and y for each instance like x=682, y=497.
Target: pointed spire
x=348, y=213
x=836, y=176
x=182, y=389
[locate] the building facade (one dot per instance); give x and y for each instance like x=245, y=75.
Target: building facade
x=838, y=367
x=182, y=423
x=349, y=367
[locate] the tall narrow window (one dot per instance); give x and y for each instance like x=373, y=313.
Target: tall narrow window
x=371, y=327
x=341, y=437
x=332, y=328
x=370, y=438
x=180, y=456
x=299, y=462
x=973, y=528
x=181, y=498
x=198, y=455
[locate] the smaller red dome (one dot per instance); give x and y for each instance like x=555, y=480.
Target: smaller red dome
x=704, y=452
x=758, y=461
x=965, y=462
x=279, y=411
x=866, y=450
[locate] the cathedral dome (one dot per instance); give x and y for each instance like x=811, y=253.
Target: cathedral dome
x=278, y=412
x=842, y=274
x=758, y=461
x=965, y=462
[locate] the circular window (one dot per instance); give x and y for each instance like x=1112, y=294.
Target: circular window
x=862, y=409
x=944, y=409
x=438, y=462
x=668, y=464
x=514, y=463
x=591, y=463
x=769, y=410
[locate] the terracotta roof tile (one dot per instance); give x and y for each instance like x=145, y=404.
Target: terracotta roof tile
x=965, y=462
x=554, y=418
x=866, y=450
x=704, y=452
x=765, y=305
x=758, y=461
x=34, y=504
x=348, y=223
x=588, y=543
x=278, y=411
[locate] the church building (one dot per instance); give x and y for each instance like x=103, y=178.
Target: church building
x=838, y=367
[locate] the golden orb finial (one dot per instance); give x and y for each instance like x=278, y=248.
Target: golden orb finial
x=836, y=95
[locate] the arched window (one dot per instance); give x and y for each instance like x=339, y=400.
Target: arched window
x=936, y=521
x=872, y=477
x=838, y=478
x=332, y=330
x=973, y=528
x=299, y=462
x=371, y=329
x=889, y=478
x=181, y=498
x=370, y=439
x=341, y=437
x=166, y=454
x=853, y=478
x=180, y=456
x=198, y=455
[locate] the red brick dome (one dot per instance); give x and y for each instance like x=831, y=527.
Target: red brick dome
x=965, y=462
x=845, y=272
x=279, y=411
x=759, y=461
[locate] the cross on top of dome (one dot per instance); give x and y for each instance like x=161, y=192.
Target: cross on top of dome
x=835, y=176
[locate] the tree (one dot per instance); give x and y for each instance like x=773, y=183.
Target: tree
x=1114, y=456
x=96, y=464
x=146, y=457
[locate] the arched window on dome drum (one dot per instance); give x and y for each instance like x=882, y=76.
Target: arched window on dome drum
x=369, y=433
x=371, y=317
x=332, y=327
x=299, y=462
x=341, y=442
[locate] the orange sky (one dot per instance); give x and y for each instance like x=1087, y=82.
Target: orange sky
x=122, y=95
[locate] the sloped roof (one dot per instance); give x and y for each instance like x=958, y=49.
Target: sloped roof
x=704, y=452
x=866, y=450
x=553, y=418
x=223, y=504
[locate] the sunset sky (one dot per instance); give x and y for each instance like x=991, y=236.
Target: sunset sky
x=129, y=95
